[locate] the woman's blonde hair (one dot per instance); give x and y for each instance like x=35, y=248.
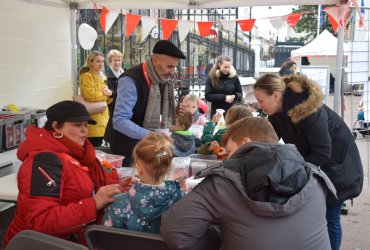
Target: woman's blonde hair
x=213, y=72
x=88, y=62
x=236, y=113
x=114, y=53
x=270, y=83
x=156, y=153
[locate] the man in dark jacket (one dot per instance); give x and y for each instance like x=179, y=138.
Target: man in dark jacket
x=265, y=196
x=145, y=100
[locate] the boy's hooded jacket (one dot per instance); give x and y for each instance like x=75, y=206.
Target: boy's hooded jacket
x=264, y=197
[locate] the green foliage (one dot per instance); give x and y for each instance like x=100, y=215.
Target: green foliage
x=308, y=22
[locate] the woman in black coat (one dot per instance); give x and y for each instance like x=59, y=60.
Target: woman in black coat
x=223, y=88
x=297, y=113
x=113, y=72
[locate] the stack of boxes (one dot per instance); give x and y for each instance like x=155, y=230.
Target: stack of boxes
x=13, y=127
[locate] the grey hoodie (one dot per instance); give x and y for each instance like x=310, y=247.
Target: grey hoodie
x=287, y=210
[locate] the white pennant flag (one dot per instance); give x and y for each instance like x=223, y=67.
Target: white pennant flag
x=110, y=18
x=228, y=25
x=147, y=24
x=184, y=28
x=277, y=22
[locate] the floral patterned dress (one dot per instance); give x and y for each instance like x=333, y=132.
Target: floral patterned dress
x=141, y=207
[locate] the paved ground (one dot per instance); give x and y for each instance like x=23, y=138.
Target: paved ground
x=356, y=225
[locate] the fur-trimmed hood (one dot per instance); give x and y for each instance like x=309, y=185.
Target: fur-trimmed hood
x=231, y=74
x=299, y=104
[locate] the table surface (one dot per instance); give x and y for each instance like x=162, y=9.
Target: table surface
x=7, y=157
x=9, y=188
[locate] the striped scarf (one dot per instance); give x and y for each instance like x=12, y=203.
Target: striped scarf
x=161, y=101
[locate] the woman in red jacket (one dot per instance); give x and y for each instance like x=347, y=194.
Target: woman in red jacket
x=59, y=176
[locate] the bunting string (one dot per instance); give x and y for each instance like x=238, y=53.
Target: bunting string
x=336, y=15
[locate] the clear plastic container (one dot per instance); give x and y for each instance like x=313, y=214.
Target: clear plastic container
x=125, y=171
x=208, y=159
x=180, y=165
x=197, y=166
x=114, y=160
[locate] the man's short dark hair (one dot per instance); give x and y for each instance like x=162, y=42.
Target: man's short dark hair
x=256, y=128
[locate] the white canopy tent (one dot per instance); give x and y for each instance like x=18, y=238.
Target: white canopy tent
x=323, y=45
x=39, y=47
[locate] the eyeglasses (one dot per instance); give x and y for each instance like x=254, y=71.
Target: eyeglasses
x=117, y=60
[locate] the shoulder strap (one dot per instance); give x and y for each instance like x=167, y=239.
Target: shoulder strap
x=146, y=75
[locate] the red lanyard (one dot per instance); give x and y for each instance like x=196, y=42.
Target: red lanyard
x=74, y=162
x=146, y=75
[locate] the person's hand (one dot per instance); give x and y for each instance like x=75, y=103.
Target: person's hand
x=106, y=91
x=213, y=145
x=105, y=194
x=229, y=98
x=126, y=183
x=221, y=153
x=181, y=108
x=216, y=117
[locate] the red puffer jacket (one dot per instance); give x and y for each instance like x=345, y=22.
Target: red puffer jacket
x=63, y=209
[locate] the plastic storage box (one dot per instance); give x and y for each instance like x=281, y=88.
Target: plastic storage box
x=114, y=160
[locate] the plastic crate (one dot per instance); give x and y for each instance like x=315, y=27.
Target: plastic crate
x=38, y=118
x=12, y=132
x=18, y=129
x=26, y=122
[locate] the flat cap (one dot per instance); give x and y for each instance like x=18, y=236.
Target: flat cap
x=69, y=111
x=167, y=48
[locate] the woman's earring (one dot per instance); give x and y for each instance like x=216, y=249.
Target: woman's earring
x=58, y=135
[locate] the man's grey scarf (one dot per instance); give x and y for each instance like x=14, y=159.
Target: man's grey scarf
x=161, y=101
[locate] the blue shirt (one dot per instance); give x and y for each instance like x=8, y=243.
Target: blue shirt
x=125, y=103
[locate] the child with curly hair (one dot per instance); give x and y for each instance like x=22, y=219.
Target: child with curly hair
x=141, y=207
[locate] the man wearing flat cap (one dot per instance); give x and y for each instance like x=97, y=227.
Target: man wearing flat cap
x=145, y=100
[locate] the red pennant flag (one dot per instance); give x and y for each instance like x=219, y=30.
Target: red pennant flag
x=168, y=26
x=246, y=25
x=213, y=32
x=131, y=22
x=338, y=15
x=293, y=19
x=103, y=17
x=361, y=22
x=204, y=28
x=333, y=23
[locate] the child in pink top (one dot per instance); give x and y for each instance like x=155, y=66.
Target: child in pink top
x=192, y=105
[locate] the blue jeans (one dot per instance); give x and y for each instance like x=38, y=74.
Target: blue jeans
x=334, y=226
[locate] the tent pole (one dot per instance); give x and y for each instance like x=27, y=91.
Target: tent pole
x=338, y=73
x=73, y=9
x=318, y=19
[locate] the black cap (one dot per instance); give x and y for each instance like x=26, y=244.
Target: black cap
x=167, y=48
x=68, y=111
